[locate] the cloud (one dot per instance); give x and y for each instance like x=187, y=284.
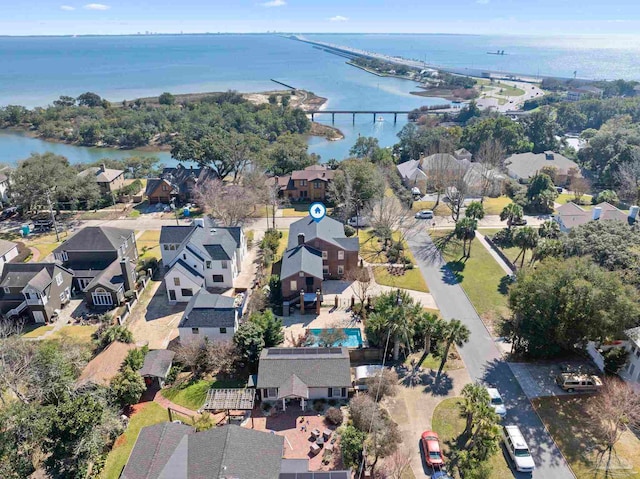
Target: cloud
x=96, y=6
x=274, y=3
x=67, y=8
x=483, y=2
x=338, y=18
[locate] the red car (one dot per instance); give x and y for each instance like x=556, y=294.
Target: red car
x=431, y=449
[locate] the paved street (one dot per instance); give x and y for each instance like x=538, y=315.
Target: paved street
x=484, y=362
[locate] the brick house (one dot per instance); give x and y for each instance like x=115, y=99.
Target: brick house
x=177, y=183
x=310, y=184
x=316, y=251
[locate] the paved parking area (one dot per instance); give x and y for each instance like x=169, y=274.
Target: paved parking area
x=538, y=379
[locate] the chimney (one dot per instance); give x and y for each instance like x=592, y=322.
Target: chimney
x=300, y=238
x=127, y=274
x=633, y=213
x=102, y=168
x=199, y=222
x=597, y=211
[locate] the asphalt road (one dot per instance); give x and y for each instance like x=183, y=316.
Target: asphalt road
x=484, y=361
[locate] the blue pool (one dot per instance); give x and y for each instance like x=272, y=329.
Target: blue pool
x=354, y=337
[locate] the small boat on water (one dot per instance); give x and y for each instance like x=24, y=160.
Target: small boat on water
x=497, y=52
x=380, y=118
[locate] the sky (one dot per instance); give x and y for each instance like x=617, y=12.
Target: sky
x=529, y=17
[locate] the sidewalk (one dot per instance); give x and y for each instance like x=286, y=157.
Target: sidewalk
x=505, y=267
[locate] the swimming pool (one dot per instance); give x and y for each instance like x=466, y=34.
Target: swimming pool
x=353, y=340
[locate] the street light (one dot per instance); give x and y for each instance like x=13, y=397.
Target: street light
x=175, y=210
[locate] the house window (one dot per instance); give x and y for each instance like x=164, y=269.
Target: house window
x=186, y=292
x=224, y=265
x=325, y=255
x=218, y=278
x=340, y=254
x=340, y=269
x=632, y=368
x=62, y=256
x=293, y=285
x=325, y=269
x=304, y=194
x=164, y=188
x=7, y=290
x=637, y=353
x=173, y=247
x=59, y=279
x=335, y=392
x=272, y=393
x=176, y=281
x=195, y=331
x=165, y=247
x=63, y=296
x=208, y=264
x=303, y=182
x=301, y=274
x=223, y=330
x=316, y=184
x=184, y=256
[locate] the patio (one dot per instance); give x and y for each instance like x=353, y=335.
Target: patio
x=296, y=426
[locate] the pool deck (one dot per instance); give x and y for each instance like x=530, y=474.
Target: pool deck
x=296, y=324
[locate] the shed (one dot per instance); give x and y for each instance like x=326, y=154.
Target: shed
x=156, y=367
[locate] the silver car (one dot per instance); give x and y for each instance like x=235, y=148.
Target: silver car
x=424, y=215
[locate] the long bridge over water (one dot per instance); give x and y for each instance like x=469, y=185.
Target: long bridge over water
x=375, y=113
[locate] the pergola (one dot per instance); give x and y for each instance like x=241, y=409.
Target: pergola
x=230, y=400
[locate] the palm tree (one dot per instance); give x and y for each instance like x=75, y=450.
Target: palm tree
x=475, y=210
x=549, y=229
x=394, y=316
x=466, y=231
x=454, y=333
x=511, y=213
x=526, y=239
x=426, y=326
x=473, y=395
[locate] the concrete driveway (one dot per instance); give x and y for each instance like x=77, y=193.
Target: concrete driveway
x=538, y=379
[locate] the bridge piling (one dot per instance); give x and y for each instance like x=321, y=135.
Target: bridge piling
x=333, y=118
x=353, y=118
x=395, y=118
x=374, y=117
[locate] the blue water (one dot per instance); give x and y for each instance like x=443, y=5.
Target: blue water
x=35, y=71
x=354, y=338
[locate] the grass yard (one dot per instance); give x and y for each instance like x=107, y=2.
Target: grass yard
x=35, y=331
x=371, y=247
x=441, y=210
x=567, y=197
x=192, y=394
x=568, y=421
x=411, y=279
x=282, y=246
x=479, y=275
x=494, y=206
x=148, y=414
x=79, y=334
x=448, y=423
x=151, y=241
x=299, y=210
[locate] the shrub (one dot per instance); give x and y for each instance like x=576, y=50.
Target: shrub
x=349, y=231
x=503, y=237
x=250, y=235
x=128, y=386
x=271, y=240
x=319, y=404
x=173, y=374
x=334, y=416
x=614, y=360
x=134, y=359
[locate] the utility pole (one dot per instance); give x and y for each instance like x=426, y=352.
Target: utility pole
x=175, y=210
x=53, y=217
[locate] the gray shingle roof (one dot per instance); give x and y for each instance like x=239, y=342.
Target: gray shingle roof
x=316, y=367
x=101, y=176
x=326, y=229
x=207, y=310
x=408, y=168
x=526, y=165
x=301, y=258
x=111, y=277
x=573, y=215
x=37, y=275
x=175, y=234
x=6, y=246
x=95, y=238
x=153, y=183
x=294, y=387
x=174, y=451
x=157, y=363
x=217, y=242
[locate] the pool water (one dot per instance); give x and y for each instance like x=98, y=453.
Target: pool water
x=353, y=340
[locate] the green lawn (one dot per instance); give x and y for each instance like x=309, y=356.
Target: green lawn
x=151, y=241
x=568, y=421
x=566, y=198
x=282, y=246
x=149, y=414
x=494, y=206
x=80, y=334
x=493, y=88
x=35, y=331
x=479, y=275
x=411, y=279
x=371, y=247
x=192, y=394
x=448, y=423
x=441, y=210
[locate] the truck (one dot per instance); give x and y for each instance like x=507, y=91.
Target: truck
x=358, y=221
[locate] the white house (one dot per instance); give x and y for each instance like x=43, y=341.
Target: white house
x=4, y=188
x=210, y=316
x=630, y=373
x=200, y=256
x=8, y=251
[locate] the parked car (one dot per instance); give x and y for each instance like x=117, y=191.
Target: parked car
x=441, y=475
x=559, y=189
x=571, y=382
x=424, y=215
x=517, y=449
x=496, y=402
x=8, y=213
x=431, y=449
x=519, y=222
x=415, y=191
x=358, y=221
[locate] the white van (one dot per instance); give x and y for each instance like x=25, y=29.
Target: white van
x=358, y=221
x=517, y=449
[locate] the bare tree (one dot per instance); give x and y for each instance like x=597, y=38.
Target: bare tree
x=16, y=356
x=396, y=464
x=361, y=285
x=458, y=189
x=437, y=168
x=490, y=157
x=221, y=357
x=388, y=215
x=614, y=410
x=193, y=355
x=383, y=384
x=266, y=190
x=628, y=178
x=579, y=186
x=231, y=204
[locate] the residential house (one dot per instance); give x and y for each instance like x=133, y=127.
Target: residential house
x=8, y=251
x=4, y=189
x=109, y=180
x=177, y=184
x=303, y=374
x=177, y=451
x=570, y=214
x=630, y=373
x=37, y=290
x=412, y=175
x=523, y=166
x=310, y=184
x=200, y=256
x=103, y=260
x=316, y=250
x=210, y=316
x=156, y=367
x=584, y=92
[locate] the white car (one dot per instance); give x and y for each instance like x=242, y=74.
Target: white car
x=517, y=449
x=358, y=221
x=496, y=402
x=424, y=215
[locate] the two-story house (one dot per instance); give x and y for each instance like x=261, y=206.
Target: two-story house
x=200, y=256
x=316, y=250
x=310, y=184
x=210, y=316
x=177, y=184
x=8, y=251
x=108, y=180
x=103, y=261
x=37, y=290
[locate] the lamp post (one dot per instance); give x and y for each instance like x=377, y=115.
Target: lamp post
x=175, y=210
